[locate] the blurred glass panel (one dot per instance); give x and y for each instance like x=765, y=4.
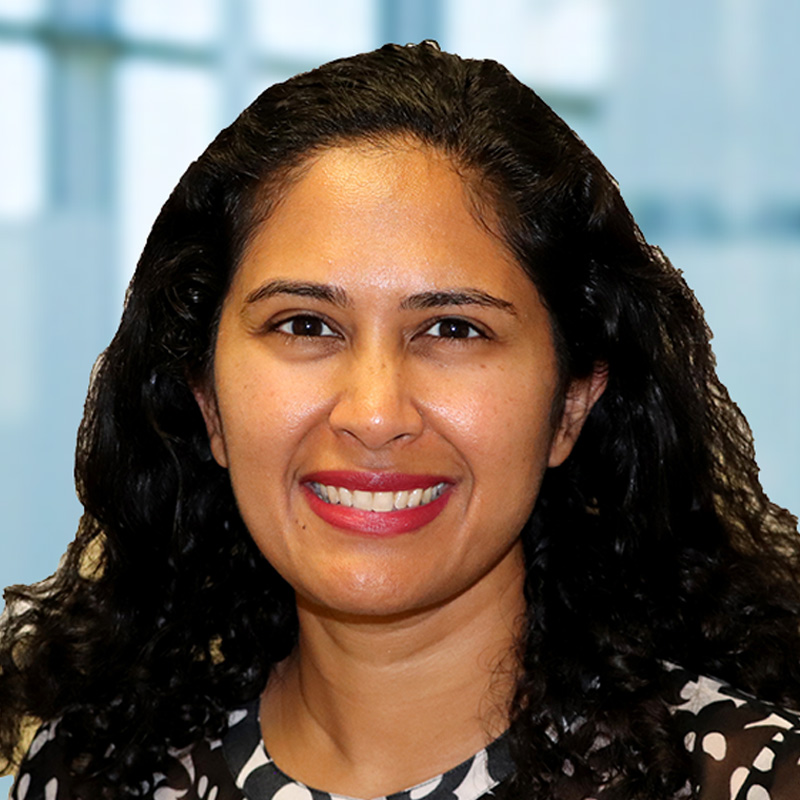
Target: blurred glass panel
x=749, y=290
x=20, y=329
x=560, y=45
x=22, y=162
x=21, y=10
x=166, y=115
x=314, y=30
x=184, y=21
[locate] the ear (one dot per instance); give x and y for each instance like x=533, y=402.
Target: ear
x=582, y=394
x=207, y=401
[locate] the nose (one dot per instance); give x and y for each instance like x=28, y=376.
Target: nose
x=375, y=404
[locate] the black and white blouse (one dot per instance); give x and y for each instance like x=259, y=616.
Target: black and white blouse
x=742, y=749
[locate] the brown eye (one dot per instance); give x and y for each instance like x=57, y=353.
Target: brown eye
x=454, y=328
x=305, y=325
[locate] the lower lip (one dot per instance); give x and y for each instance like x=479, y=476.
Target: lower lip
x=376, y=523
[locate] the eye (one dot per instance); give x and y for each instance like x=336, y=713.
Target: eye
x=454, y=328
x=304, y=325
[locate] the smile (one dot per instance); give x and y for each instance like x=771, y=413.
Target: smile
x=380, y=502
x=376, y=503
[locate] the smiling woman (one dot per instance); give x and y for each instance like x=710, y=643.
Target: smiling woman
x=409, y=473
x=427, y=364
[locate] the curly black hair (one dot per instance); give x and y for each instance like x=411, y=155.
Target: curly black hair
x=653, y=543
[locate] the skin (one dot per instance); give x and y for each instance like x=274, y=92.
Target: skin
x=402, y=668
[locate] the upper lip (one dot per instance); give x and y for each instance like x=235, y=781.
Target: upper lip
x=375, y=481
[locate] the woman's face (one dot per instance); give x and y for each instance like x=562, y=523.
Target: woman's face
x=384, y=386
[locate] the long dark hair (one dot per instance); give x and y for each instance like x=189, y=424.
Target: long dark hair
x=653, y=543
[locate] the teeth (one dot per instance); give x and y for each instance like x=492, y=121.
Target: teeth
x=382, y=501
x=377, y=501
x=362, y=500
x=414, y=498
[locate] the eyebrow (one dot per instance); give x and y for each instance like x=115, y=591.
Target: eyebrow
x=437, y=298
x=456, y=297
x=317, y=291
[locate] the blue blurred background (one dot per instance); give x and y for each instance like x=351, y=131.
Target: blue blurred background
x=103, y=103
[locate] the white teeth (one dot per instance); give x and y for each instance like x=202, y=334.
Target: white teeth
x=378, y=501
x=362, y=500
x=383, y=501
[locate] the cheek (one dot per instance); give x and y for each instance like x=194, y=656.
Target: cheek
x=270, y=403
x=496, y=416
x=502, y=430
x=267, y=419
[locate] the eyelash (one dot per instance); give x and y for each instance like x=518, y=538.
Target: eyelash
x=474, y=332
x=305, y=318
x=316, y=327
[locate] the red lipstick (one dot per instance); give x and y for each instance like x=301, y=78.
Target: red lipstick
x=374, y=481
x=376, y=523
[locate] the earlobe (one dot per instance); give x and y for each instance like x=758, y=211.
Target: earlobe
x=207, y=401
x=582, y=394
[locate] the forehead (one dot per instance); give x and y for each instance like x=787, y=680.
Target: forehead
x=385, y=180
x=402, y=209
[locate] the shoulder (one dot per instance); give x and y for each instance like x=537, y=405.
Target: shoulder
x=741, y=748
x=41, y=773
x=199, y=773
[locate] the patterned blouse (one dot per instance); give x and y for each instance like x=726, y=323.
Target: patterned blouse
x=742, y=749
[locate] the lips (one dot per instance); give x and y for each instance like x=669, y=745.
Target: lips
x=376, y=503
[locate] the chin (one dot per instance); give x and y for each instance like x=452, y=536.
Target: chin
x=369, y=598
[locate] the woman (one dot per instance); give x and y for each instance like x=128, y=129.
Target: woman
x=408, y=467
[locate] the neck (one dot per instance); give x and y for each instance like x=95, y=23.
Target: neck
x=366, y=707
